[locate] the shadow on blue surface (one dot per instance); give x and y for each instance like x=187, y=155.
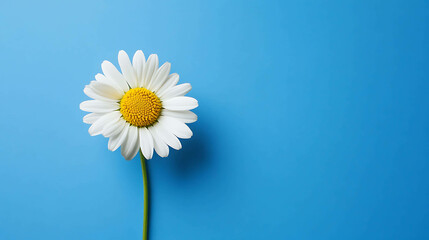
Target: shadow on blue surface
x=194, y=156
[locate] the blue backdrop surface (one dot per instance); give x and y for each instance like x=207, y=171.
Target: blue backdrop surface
x=313, y=120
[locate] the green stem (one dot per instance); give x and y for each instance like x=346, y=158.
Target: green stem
x=146, y=197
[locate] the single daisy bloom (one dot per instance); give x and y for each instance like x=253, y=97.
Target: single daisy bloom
x=141, y=108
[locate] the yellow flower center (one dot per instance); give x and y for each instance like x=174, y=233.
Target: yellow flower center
x=140, y=107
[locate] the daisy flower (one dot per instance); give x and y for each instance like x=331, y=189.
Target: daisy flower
x=141, y=108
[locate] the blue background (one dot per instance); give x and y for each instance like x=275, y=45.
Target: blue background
x=313, y=120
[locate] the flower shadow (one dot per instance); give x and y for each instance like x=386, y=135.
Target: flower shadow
x=193, y=158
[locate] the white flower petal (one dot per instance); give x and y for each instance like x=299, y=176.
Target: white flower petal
x=130, y=147
x=167, y=136
x=160, y=76
x=103, y=79
x=149, y=69
x=127, y=69
x=180, y=103
x=91, y=93
x=135, y=149
x=116, y=141
x=106, y=90
x=184, y=116
x=172, y=80
x=176, y=91
x=146, y=142
x=113, y=128
x=114, y=75
x=177, y=127
x=97, y=127
x=92, y=117
x=160, y=146
x=98, y=106
x=138, y=64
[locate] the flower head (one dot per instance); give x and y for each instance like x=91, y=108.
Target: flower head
x=141, y=108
